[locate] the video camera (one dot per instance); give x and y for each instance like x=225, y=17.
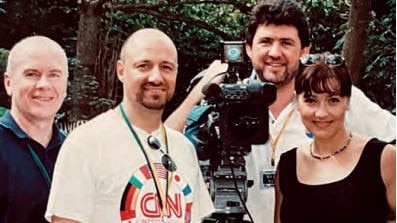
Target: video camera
x=239, y=118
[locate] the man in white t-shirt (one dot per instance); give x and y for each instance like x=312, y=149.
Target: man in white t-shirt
x=125, y=165
x=277, y=36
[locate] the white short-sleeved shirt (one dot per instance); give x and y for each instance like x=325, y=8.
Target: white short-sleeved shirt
x=101, y=175
x=363, y=117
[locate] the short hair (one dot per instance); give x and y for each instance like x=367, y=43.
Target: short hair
x=279, y=12
x=41, y=41
x=320, y=78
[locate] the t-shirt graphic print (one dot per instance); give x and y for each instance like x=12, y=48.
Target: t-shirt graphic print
x=140, y=202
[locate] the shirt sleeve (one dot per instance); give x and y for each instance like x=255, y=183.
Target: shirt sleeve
x=73, y=185
x=369, y=119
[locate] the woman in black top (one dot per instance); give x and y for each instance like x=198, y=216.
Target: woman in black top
x=340, y=176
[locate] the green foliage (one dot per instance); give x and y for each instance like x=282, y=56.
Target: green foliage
x=56, y=19
x=197, y=29
x=3, y=60
x=2, y=111
x=4, y=99
x=328, y=20
x=2, y=11
x=379, y=79
x=85, y=91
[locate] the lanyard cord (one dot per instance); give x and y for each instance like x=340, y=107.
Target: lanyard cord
x=165, y=138
x=149, y=162
x=274, y=142
x=40, y=165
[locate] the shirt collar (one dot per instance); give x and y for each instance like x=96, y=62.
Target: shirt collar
x=8, y=122
x=253, y=75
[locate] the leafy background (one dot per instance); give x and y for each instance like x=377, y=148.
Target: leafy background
x=197, y=27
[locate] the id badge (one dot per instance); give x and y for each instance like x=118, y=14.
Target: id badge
x=267, y=178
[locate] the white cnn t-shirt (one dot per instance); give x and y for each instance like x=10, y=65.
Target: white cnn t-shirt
x=101, y=175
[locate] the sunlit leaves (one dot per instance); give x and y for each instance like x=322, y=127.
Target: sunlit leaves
x=380, y=72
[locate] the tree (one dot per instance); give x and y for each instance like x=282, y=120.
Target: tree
x=4, y=98
x=376, y=74
x=104, y=23
x=52, y=18
x=379, y=74
x=355, y=39
x=196, y=26
x=84, y=81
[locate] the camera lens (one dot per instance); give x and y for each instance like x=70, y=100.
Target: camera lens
x=233, y=53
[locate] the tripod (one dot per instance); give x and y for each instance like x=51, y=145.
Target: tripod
x=228, y=188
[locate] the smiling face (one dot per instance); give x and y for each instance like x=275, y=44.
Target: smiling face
x=323, y=114
x=36, y=79
x=275, y=53
x=148, y=69
x=323, y=95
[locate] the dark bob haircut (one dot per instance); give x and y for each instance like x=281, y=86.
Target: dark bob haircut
x=323, y=78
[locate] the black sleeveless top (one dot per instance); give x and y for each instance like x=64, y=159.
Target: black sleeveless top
x=358, y=198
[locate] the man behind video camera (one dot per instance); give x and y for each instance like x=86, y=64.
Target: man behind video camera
x=277, y=36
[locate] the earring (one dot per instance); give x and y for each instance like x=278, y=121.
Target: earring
x=308, y=134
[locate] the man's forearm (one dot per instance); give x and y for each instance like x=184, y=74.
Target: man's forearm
x=177, y=119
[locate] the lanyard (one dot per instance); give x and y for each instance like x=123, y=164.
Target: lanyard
x=152, y=168
x=274, y=142
x=40, y=165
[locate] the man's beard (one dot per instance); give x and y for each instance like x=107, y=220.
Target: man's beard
x=154, y=102
x=285, y=79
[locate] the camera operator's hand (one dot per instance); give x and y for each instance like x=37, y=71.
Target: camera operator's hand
x=211, y=73
x=177, y=119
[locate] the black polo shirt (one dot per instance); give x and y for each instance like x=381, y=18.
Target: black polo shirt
x=23, y=188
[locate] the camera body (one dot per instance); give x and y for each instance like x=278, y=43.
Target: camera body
x=238, y=119
x=242, y=106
